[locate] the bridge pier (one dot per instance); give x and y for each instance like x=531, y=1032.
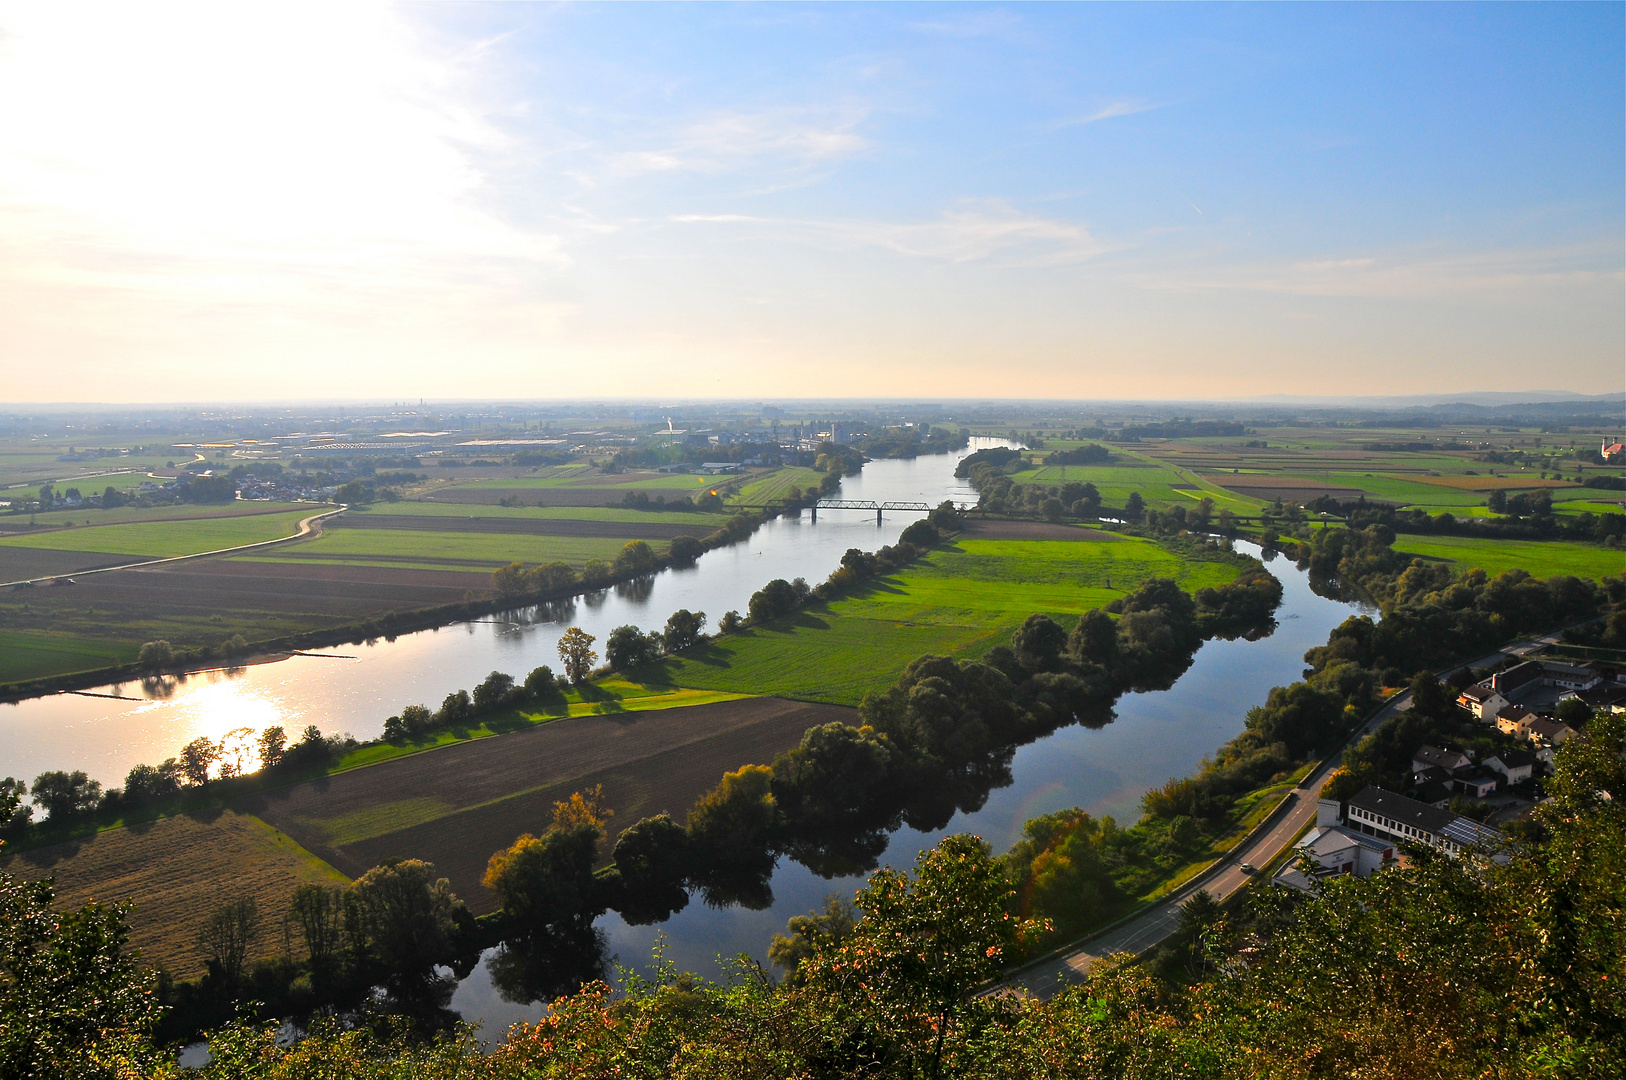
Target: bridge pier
x=815, y=509
x=877, y=515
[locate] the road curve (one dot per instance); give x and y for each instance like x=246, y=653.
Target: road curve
x=307, y=527
x=1274, y=835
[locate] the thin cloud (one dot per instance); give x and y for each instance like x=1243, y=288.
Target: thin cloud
x=977, y=24
x=1406, y=276
x=798, y=137
x=981, y=230
x=1126, y=107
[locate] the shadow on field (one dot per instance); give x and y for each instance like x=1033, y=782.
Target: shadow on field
x=711, y=655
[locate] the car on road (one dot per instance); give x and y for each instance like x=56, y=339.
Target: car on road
x=1247, y=868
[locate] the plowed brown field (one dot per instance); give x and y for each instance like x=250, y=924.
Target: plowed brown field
x=176, y=870
x=455, y=806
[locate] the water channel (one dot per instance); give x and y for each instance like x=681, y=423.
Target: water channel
x=1155, y=736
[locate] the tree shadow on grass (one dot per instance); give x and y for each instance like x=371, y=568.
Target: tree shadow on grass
x=710, y=655
x=799, y=620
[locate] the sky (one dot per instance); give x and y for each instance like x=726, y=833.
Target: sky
x=1196, y=201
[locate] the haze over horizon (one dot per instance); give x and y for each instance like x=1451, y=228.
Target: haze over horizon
x=206, y=203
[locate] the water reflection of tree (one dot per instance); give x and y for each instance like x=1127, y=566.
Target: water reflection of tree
x=543, y=966
x=636, y=590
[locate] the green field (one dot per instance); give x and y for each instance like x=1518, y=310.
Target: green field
x=421, y=549
x=26, y=654
x=703, y=523
x=1542, y=558
x=125, y=514
x=612, y=695
x=162, y=539
x=773, y=486
x=961, y=600
x=580, y=476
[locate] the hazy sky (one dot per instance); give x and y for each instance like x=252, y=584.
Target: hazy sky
x=1189, y=201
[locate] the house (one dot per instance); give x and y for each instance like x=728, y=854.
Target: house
x=1598, y=698
x=713, y=468
x=1486, y=704
x=1513, y=719
x=1610, y=451
x=1433, y=786
x=1333, y=851
x=1478, y=782
x=1425, y=757
x=1388, y=816
x=1569, y=676
x=1547, y=732
x=1516, y=766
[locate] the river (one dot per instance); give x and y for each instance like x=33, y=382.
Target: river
x=1156, y=735
x=352, y=688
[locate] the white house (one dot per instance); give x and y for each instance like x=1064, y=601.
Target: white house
x=1449, y=760
x=1486, y=704
x=1333, y=851
x=1516, y=766
x=1388, y=816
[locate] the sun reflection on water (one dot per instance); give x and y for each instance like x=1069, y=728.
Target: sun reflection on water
x=222, y=709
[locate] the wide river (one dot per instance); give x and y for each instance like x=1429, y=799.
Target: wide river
x=353, y=688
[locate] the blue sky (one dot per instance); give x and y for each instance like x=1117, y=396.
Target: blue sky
x=1180, y=201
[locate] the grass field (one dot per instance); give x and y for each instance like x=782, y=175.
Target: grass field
x=771, y=487
x=602, y=698
x=411, y=548
x=176, y=870
x=186, y=511
x=961, y=600
x=1542, y=558
x=161, y=539
x=582, y=476
x=703, y=523
x=24, y=654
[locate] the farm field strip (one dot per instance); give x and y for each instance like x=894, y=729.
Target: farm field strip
x=613, y=695
x=123, y=515
x=434, y=510
x=1542, y=558
x=405, y=545
x=161, y=539
x=777, y=484
x=456, y=805
x=176, y=869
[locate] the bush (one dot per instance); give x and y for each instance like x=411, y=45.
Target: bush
x=685, y=550
x=540, y=683
x=455, y=709
x=628, y=647
x=493, y=691
x=683, y=629
x=156, y=654
x=922, y=534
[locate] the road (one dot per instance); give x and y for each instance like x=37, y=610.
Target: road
x=1297, y=810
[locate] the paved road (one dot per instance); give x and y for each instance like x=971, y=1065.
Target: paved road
x=1297, y=810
